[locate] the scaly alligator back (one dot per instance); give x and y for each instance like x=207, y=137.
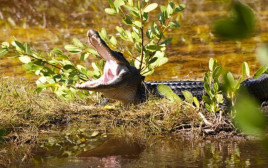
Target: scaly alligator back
x=195, y=87
x=256, y=87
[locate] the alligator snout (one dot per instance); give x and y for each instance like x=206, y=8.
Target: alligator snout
x=91, y=33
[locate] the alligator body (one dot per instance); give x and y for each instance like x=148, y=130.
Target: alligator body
x=195, y=87
x=123, y=82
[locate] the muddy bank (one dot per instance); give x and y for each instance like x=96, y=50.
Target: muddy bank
x=32, y=122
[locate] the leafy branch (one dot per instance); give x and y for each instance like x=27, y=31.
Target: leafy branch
x=147, y=36
x=57, y=72
x=55, y=69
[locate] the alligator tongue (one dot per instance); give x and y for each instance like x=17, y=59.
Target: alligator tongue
x=115, y=67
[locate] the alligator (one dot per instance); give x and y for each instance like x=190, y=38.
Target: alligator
x=123, y=82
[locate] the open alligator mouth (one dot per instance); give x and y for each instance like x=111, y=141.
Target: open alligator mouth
x=118, y=76
x=123, y=82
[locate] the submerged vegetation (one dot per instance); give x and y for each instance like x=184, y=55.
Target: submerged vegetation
x=33, y=120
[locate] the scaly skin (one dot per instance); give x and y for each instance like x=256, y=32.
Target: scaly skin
x=123, y=82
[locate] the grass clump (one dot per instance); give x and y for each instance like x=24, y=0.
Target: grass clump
x=32, y=123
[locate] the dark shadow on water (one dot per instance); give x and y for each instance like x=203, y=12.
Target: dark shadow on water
x=168, y=152
x=115, y=147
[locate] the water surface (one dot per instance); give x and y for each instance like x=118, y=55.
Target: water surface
x=54, y=23
x=170, y=152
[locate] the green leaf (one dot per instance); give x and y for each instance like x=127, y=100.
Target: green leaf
x=137, y=23
x=120, y=30
x=219, y=98
x=111, y=3
x=131, y=8
x=118, y=4
x=188, y=96
x=216, y=86
x=249, y=116
x=27, y=48
x=135, y=37
x=94, y=52
x=260, y=71
x=127, y=21
x=155, y=30
x=110, y=11
x=161, y=18
x=3, y=52
x=152, y=60
x=18, y=45
x=211, y=64
x=170, y=9
x=196, y=102
x=72, y=48
x=113, y=40
x=230, y=79
x=180, y=8
x=135, y=14
x=68, y=67
x=64, y=57
x=78, y=43
x=166, y=42
x=5, y=45
x=206, y=99
x=161, y=59
x=95, y=66
x=217, y=72
x=150, y=7
x=168, y=93
x=39, y=89
x=84, y=56
x=57, y=77
x=145, y=17
x=103, y=33
x=130, y=2
x=25, y=59
x=245, y=70
x=41, y=80
x=173, y=25
x=57, y=51
x=154, y=47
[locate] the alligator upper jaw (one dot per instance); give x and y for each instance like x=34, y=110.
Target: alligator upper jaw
x=116, y=67
x=119, y=80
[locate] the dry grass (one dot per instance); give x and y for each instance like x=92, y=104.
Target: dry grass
x=25, y=116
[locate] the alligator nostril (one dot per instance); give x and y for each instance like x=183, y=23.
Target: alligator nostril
x=91, y=32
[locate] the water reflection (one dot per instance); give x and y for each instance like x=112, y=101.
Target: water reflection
x=169, y=152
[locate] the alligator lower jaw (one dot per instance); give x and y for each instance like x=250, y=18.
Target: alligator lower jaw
x=113, y=73
x=119, y=81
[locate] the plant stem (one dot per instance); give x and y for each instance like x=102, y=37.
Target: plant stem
x=59, y=68
x=142, y=37
x=39, y=59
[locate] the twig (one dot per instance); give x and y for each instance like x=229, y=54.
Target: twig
x=142, y=37
x=204, y=119
x=59, y=68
